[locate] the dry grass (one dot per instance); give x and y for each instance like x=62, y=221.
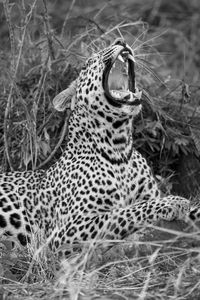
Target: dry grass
x=163, y=263
x=48, y=42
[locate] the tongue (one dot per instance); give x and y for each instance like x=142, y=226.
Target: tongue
x=120, y=94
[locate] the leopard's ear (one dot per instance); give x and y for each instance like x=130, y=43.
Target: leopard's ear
x=66, y=98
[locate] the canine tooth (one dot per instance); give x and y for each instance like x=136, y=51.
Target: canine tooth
x=121, y=58
x=137, y=94
x=126, y=68
x=131, y=57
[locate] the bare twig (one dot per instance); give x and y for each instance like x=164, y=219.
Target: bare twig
x=7, y=8
x=36, y=99
x=40, y=129
x=67, y=17
x=48, y=31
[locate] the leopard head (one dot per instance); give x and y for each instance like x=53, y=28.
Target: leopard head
x=105, y=85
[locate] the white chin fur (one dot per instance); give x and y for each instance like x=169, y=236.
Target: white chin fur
x=131, y=110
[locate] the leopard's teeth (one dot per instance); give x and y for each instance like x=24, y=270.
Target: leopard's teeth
x=119, y=95
x=131, y=57
x=121, y=58
x=123, y=93
x=137, y=94
x=126, y=69
x=131, y=97
x=115, y=94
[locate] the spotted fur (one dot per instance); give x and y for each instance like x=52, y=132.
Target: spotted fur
x=101, y=186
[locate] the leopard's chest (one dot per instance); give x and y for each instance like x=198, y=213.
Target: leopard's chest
x=95, y=182
x=90, y=182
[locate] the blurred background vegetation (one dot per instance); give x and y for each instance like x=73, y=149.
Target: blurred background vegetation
x=43, y=46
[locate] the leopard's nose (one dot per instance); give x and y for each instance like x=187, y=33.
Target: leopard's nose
x=120, y=42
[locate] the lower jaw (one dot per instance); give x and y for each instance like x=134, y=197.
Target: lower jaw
x=112, y=101
x=121, y=102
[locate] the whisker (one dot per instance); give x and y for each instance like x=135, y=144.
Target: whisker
x=149, y=40
x=138, y=38
x=146, y=65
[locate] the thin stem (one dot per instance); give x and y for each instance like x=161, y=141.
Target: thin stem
x=8, y=105
x=67, y=17
x=48, y=31
x=63, y=134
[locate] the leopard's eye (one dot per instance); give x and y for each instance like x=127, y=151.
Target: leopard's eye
x=89, y=62
x=119, y=41
x=83, y=68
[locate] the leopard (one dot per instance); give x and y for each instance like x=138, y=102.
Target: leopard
x=101, y=187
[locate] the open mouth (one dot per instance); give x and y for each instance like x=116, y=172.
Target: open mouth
x=119, y=79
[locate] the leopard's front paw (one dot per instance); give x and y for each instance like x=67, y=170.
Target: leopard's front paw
x=183, y=209
x=180, y=207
